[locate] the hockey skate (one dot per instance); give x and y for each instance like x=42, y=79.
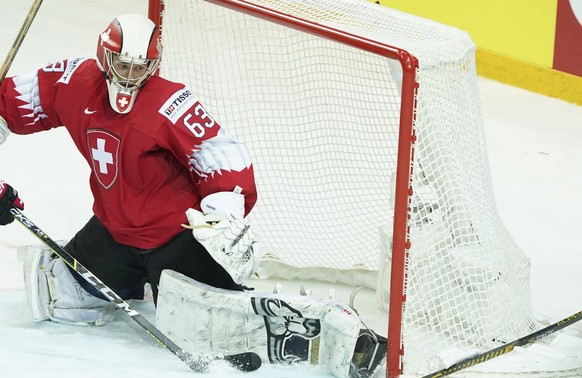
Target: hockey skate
x=369, y=354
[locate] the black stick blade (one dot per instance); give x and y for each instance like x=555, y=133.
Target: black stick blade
x=248, y=361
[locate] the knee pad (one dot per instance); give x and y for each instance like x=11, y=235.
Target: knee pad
x=54, y=294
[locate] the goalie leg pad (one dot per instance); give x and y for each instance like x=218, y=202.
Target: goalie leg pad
x=279, y=328
x=35, y=260
x=54, y=294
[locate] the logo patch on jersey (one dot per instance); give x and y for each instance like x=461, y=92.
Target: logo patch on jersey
x=104, y=153
x=177, y=105
x=72, y=65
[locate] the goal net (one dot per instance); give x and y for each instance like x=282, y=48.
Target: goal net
x=367, y=139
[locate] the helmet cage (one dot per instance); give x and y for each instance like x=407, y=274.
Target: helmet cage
x=127, y=72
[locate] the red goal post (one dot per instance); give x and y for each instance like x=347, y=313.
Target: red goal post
x=360, y=118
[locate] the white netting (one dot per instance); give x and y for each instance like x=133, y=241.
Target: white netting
x=321, y=120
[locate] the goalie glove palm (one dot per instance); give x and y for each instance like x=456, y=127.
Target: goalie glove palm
x=230, y=242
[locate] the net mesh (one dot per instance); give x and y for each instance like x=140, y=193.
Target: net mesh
x=321, y=120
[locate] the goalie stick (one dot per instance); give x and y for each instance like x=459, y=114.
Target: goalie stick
x=506, y=348
x=19, y=38
x=248, y=361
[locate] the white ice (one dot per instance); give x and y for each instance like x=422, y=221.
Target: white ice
x=535, y=147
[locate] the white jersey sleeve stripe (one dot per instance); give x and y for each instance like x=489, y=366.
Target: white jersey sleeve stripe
x=27, y=87
x=221, y=152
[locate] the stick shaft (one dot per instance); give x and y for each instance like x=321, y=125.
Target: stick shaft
x=19, y=38
x=506, y=348
x=99, y=285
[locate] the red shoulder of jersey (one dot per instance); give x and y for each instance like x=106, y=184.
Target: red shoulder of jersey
x=28, y=99
x=215, y=159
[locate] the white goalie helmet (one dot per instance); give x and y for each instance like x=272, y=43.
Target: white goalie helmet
x=128, y=53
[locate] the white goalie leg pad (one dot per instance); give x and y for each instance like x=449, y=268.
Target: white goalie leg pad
x=35, y=259
x=54, y=294
x=279, y=328
x=72, y=304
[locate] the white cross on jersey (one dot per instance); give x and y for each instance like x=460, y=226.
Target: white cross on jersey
x=102, y=156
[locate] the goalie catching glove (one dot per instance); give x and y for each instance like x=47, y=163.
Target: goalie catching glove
x=229, y=240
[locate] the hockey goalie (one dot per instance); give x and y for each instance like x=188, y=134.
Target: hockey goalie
x=172, y=190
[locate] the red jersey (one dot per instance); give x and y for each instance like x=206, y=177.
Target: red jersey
x=149, y=165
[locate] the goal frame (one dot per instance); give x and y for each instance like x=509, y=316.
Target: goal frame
x=405, y=149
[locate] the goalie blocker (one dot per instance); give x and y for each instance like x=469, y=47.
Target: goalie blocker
x=279, y=328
